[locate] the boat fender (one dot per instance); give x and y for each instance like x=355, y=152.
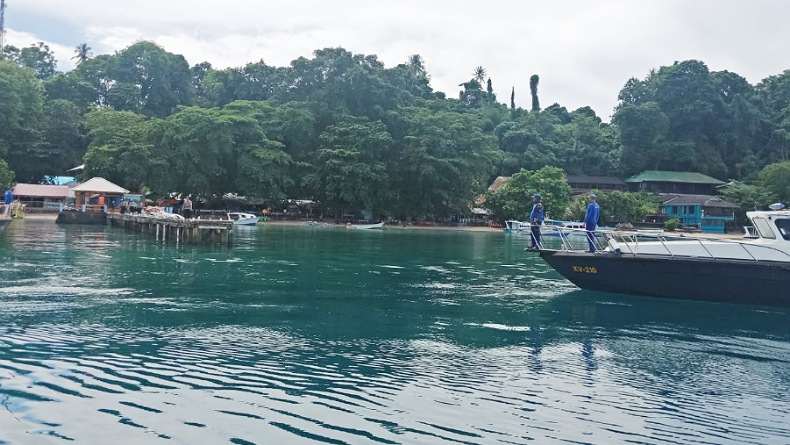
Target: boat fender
x=614, y=245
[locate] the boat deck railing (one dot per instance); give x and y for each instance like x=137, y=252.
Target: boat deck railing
x=663, y=244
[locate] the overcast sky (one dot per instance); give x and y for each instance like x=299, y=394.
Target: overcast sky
x=583, y=50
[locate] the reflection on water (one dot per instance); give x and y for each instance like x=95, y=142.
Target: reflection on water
x=304, y=335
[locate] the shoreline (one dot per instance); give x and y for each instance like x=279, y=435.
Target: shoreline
x=396, y=226
x=735, y=236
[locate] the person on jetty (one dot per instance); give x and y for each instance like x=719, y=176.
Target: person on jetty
x=186, y=209
x=591, y=220
x=535, y=221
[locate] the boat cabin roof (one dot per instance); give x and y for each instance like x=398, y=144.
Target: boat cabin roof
x=771, y=225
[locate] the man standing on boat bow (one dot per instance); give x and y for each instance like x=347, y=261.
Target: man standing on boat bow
x=591, y=220
x=535, y=220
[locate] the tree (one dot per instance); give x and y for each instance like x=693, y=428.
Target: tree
x=38, y=57
x=775, y=178
x=479, y=74
x=533, y=89
x=643, y=133
x=64, y=137
x=350, y=172
x=513, y=99
x=6, y=176
x=747, y=197
x=71, y=87
x=121, y=150
x=442, y=160
x=162, y=80
x=82, y=52
x=199, y=146
x=619, y=207
x=514, y=200
x=472, y=94
x=20, y=115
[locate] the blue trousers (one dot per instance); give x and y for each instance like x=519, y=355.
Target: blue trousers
x=535, y=235
x=591, y=237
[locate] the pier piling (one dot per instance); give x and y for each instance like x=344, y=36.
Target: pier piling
x=191, y=231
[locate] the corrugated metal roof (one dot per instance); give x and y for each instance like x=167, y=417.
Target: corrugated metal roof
x=41, y=191
x=498, y=183
x=670, y=176
x=100, y=185
x=703, y=200
x=595, y=180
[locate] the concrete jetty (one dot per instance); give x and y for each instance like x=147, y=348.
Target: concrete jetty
x=190, y=231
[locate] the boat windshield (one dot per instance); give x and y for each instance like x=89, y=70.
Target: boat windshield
x=783, y=225
x=763, y=228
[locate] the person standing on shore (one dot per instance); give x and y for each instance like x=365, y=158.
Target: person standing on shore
x=535, y=221
x=187, y=208
x=591, y=220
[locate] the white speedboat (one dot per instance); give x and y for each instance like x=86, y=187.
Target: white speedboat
x=365, y=226
x=515, y=226
x=243, y=219
x=752, y=271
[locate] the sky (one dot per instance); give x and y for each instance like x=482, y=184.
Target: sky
x=583, y=50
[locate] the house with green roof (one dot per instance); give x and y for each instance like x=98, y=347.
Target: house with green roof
x=657, y=181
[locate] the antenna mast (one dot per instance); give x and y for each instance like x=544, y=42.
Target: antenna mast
x=2, y=28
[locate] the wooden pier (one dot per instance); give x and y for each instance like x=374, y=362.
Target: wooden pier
x=191, y=231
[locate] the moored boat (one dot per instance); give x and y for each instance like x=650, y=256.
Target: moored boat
x=243, y=219
x=750, y=271
x=365, y=226
x=513, y=225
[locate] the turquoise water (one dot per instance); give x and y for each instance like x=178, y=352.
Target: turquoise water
x=303, y=335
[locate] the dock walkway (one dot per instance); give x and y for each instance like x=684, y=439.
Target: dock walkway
x=190, y=231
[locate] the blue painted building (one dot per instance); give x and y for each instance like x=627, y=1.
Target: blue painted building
x=704, y=212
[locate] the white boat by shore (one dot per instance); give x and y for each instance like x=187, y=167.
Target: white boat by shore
x=243, y=219
x=365, y=226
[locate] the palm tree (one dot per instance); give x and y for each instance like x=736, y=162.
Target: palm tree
x=416, y=65
x=479, y=74
x=82, y=53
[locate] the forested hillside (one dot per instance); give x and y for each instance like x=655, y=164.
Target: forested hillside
x=343, y=129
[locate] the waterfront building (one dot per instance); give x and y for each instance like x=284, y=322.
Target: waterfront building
x=656, y=181
x=707, y=213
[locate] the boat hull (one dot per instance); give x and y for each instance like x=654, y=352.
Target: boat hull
x=731, y=281
x=366, y=226
x=245, y=222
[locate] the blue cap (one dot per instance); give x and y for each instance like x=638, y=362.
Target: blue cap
x=536, y=195
x=592, y=195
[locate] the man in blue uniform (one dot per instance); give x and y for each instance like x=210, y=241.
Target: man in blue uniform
x=591, y=220
x=535, y=220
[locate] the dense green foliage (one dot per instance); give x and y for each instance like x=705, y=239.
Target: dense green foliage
x=514, y=200
x=6, y=176
x=616, y=207
x=343, y=129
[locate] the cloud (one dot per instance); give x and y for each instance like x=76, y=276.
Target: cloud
x=583, y=51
